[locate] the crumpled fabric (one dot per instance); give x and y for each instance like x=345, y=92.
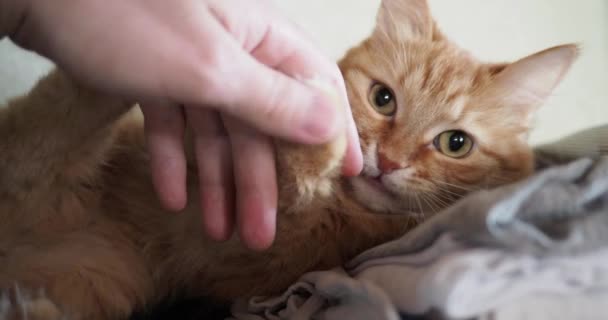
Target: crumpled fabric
x=546, y=234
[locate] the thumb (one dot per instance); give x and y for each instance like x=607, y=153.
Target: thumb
x=266, y=56
x=302, y=111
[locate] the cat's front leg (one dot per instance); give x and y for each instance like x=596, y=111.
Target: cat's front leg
x=309, y=171
x=59, y=134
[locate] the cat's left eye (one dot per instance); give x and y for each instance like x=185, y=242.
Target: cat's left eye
x=382, y=99
x=454, y=143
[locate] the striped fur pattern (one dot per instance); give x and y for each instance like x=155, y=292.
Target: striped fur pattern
x=80, y=220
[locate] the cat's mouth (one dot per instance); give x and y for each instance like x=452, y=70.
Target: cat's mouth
x=375, y=192
x=376, y=183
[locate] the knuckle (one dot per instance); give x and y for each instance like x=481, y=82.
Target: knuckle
x=207, y=75
x=214, y=161
x=337, y=80
x=273, y=101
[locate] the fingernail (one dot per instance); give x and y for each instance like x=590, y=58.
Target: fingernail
x=355, y=150
x=321, y=122
x=257, y=222
x=262, y=236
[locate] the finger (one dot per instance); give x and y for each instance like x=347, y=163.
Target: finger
x=353, y=159
x=255, y=180
x=164, y=129
x=280, y=106
x=214, y=164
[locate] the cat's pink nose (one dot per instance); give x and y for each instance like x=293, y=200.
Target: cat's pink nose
x=387, y=165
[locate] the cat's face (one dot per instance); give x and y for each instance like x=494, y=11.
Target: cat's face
x=434, y=122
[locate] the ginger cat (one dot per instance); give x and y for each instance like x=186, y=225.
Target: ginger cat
x=80, y=219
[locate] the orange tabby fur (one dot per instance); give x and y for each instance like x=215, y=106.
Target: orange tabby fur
x=81, y=220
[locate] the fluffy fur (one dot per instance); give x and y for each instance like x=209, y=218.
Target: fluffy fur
x=81, y=221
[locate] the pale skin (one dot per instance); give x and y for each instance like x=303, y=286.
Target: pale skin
x=229, y=69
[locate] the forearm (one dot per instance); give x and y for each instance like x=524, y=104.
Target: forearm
x=12, y=15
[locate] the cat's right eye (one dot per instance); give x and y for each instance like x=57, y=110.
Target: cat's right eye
x=382, y=99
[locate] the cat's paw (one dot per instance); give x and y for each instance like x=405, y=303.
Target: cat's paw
x=313, y=168
x=20, y=304
x=309, y=170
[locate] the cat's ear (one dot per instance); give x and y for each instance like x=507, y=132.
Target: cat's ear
x=524, y=85
x=405, y=20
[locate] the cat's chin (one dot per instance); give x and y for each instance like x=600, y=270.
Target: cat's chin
x=374, y=195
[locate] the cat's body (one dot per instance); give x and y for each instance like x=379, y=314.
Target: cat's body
x=86, y=225
x=80, y=218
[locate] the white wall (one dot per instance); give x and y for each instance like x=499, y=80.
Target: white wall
x=491, y=29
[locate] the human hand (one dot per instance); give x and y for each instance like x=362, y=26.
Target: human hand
x=228, y=68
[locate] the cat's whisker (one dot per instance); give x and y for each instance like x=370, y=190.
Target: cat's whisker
x=409, y=202
x=460, y=187
x=432, y=192
x=431, y=202
x=445, y=183
x=437, y=198
x=449, y=192
x=425, y=200
x=441, y=202
x=424, y=188
x=419, y=204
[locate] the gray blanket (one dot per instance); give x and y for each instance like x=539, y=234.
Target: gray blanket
x=548, y=233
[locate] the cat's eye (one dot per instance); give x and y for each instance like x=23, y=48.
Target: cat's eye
x=382, y=99
x=454, y=143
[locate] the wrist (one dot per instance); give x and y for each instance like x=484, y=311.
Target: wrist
x=12, y=17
